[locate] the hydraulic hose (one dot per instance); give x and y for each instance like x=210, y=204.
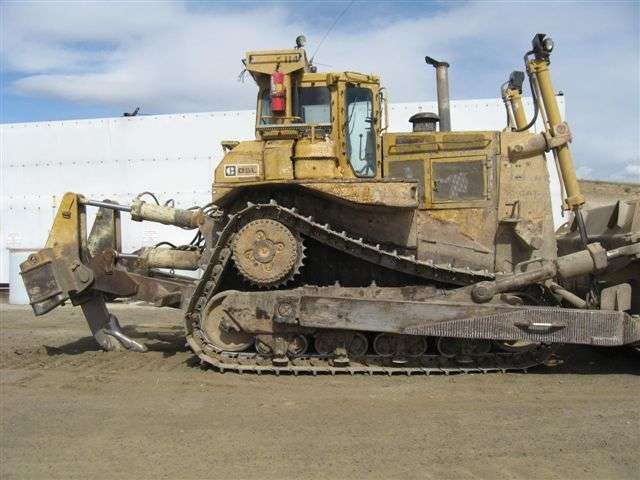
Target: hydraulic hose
x=533, y=95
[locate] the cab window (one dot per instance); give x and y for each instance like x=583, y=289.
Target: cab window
x=265, y=108
x=359, y=131
x=312, y=105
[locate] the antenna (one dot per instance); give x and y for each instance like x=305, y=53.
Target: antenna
x=330, y=29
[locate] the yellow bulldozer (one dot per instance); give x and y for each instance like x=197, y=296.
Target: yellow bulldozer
x=333, y=245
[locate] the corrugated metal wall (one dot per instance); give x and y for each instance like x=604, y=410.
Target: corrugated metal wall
x=172, y=155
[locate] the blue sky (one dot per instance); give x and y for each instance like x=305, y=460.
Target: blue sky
x=77, y=60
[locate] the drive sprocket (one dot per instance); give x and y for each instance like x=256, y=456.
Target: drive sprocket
x=267, y=253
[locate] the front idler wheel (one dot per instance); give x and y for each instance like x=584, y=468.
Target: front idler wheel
x=219, y=328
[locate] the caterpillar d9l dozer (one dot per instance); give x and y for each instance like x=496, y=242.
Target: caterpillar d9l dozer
x=332, y=245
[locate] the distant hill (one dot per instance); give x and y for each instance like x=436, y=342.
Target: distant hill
x=601, y=193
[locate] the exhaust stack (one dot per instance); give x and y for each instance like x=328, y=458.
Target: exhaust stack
x=442, y=84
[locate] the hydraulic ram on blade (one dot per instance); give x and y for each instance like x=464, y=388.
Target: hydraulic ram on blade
x=145, y=211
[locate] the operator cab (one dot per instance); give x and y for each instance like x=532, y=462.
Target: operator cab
x=312, y=107
x=331, y=119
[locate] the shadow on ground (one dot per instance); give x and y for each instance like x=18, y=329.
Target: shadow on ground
x=580, y=359
x=169, y=341
x=570, y=359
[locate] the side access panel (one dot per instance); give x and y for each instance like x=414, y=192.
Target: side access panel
x=457, y=177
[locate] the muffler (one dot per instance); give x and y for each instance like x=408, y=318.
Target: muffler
x=442, y=84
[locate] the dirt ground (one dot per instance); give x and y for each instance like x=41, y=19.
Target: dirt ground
x=71, y=411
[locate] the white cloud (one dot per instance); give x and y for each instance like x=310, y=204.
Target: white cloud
x=584, y=172
x=166, y=57
x=633, y=170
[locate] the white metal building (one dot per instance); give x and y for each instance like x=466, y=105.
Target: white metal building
x=171, y=155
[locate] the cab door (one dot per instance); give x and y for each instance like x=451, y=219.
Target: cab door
x=360, y=124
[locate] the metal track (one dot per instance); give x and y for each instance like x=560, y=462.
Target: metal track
x=371, y=364
x=218, y=260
